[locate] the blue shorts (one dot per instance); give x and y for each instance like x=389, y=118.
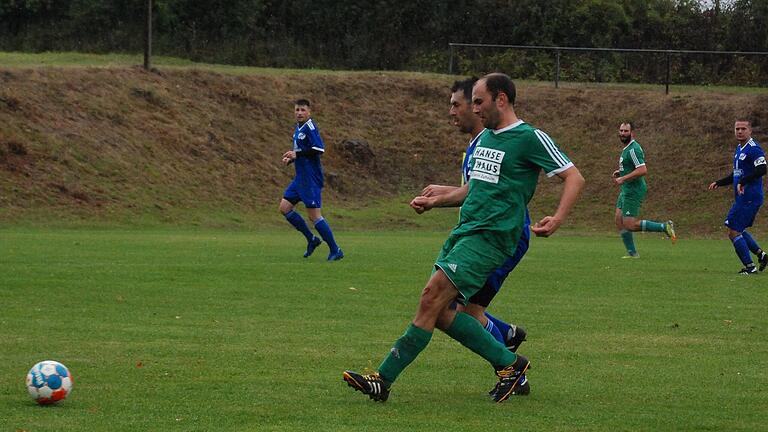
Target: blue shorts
x=742, y=215
x=497, y=277
x=310, y=195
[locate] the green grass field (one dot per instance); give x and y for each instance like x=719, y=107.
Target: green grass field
x=221, y=330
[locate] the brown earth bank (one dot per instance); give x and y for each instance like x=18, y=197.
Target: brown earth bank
x=101, y=144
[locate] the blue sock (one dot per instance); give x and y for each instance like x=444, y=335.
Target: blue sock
x=742, y=250
x=298, y=222
x=751, y=243
x=492, y=329
x=325, y=232
x=503, y=327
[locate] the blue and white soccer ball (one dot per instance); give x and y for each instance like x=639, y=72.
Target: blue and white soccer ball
x=49, y=382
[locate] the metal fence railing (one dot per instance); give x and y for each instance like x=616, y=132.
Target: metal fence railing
x=558, y=50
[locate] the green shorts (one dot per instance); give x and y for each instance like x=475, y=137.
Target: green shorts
x=629, y=204
x=467, y=260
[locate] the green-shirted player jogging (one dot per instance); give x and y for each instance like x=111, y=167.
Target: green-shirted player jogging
x=631, y=177
x=505, y=167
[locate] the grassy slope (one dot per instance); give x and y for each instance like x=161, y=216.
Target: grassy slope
x=101, y=142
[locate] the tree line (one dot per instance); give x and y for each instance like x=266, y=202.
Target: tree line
x=409, y=34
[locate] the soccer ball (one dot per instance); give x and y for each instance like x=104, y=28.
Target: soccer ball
x=49, y=382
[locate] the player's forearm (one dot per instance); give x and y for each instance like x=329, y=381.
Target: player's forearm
x=307, y=153
x=435, y=190
x=637, y=172
x=573, y=184
x=453, y=198
x=725, y=180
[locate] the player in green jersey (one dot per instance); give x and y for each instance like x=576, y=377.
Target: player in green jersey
x=631, y=178
x=506, y=164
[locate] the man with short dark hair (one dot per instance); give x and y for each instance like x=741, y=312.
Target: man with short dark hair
x=506, y=164
x=631, y=178
x=307, y=185
x=467, y=122
x=747, y=179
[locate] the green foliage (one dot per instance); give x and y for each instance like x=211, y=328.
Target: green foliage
x=402, y=34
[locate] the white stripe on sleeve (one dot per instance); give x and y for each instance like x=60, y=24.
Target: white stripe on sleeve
x=554, y=153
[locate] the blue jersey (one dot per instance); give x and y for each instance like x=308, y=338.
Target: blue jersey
x=745, y=159
x=308, y=147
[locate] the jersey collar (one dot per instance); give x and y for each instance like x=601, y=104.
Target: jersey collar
x=510, y=127
x=750, y=141
x=474, y=140
x=301, y=126
x=628, y=144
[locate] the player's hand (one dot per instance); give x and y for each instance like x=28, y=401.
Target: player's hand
x=289, y=157
x=713, y=186
x=421, y=204
x=435, y=190
x=618, y=180
x=546, y=227
x=740, y=189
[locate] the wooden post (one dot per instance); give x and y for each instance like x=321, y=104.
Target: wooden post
x=557, y=68
x=148, y=38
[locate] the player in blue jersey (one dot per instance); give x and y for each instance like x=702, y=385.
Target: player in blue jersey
x=468, y=122
x=747, y=179
x=307, y=185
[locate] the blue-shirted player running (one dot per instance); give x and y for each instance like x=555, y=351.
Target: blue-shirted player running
x=508, y=334
x=307, y=185
x=747, y=179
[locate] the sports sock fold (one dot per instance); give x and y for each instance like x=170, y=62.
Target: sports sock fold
x=324, y=229
x=467, y=331
x=751, y=243
x=403, y=352
x=742, y=250
x=298, y=222
x=648, y=225
x=503, y=327
x=629, y=241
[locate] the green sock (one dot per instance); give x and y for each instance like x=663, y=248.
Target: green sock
x=629, y=242
x=472, y=335
x=405, y=350
x=647, y=225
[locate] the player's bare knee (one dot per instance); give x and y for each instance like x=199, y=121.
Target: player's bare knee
x=477, y=311
x=631, y=224
x=429, y=301
x=314, y=214
x=435, y=298
x=285, y=207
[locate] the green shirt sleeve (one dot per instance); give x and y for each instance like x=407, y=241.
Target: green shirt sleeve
x=636, y=155
x=546, y=155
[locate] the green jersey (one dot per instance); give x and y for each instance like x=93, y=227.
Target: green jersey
x=632, y=157
x=505, y=167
